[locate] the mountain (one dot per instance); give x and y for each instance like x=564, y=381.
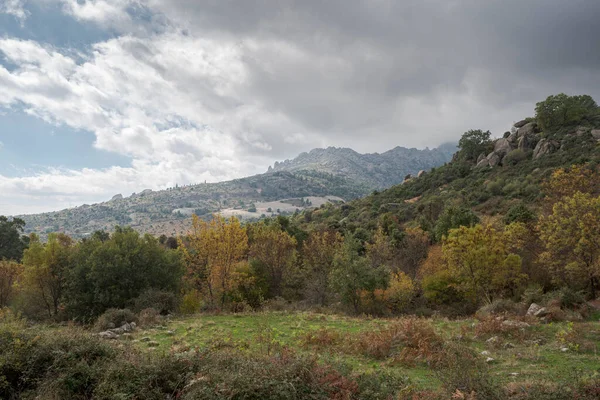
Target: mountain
x=320, y=176
x=372, y=170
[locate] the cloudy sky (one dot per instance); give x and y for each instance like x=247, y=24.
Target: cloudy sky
x=99, y=97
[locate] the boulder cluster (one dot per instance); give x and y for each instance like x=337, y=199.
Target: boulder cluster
x=526, y=137
x=114, y=333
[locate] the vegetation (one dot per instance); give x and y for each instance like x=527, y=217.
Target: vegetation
x=462, y=241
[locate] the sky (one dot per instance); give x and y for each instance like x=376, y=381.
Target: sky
x=99, y=97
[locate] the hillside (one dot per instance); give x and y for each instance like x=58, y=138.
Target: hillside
x=312, y=179
x=489, y=177
x=373, y=170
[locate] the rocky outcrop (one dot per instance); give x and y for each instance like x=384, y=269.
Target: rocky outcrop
x=117, y=197
x=421, y=173
x=545, y=146
x=521, y=123
x=502, y=147
x=494, y=159
x=114, y=333
x=535, y=310
x=484, y=162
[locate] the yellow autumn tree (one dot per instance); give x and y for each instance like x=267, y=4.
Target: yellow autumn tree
x=212, y=253
x=571, y=235
x=478, y=258
x=565, y=182
x=275, y=250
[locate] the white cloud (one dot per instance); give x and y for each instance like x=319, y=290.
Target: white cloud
x=16, y=8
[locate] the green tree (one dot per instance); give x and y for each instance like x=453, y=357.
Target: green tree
x=561, y=110
x=12, y=242
x=453, y=217
x=113, y=273
x=473, y=143
x=352, y=275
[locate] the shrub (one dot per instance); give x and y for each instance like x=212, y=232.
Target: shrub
x=500, y=306
x=565, y=297
x=113, y=318
x=407, y=341
x=191, y=302
x=461, y=371
x=514, y=157
x=160, y=300
x=149, y=317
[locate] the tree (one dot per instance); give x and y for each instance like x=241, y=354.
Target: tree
x=113, y=273
x=12, y=243
x=275, y=250
x=45, y=270
x=571, y=235
x=566, y=182
x=561, y=110
x=214, y=251
x=10, y=272
x=412, y=251
x=352, y=276
x=479, y=260
x=454, y=217
x=318, y=253
x=473, y=143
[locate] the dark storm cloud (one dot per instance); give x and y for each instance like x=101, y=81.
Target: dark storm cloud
x=351, y=64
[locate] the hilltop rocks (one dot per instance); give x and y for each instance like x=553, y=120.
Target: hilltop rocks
x=117, y=197
x=502, y=147
x=545, y=146
x=521, y=123
x=527, y=129
x=421, y=173
x=494, y=159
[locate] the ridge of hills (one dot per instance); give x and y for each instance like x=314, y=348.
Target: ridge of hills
x=321, y=176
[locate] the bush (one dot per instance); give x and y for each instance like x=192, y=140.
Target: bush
x=191, y=302
x=113, y=318
x=565, y=297
x=461, y=370
x=160, y=300
x=149, y=317
x=501, y=306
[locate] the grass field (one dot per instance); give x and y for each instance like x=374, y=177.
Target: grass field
x=551, y=352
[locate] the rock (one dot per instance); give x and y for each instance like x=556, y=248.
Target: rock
x=145, y=339
x=493, y=340
x=170, y=333
x=526, y=142
x=421, y=173
x=153, y=344
x=517, y=324
x=133, y=325
x=543, y=147
x=108, y=335
x=514, y=374
x=564, y=349
x=502, y=147
x=509, y=345
x=542, y=312
x=520, y=124
x=126, y=327
x=485, y=353
x=494, y=159
x=527, y=129
x=596, y=134
x=483, y=163
x=533, y=308
x=481, y=157
x=117, y=197
x=118, y=331
x=506, y=135
x=489, y=360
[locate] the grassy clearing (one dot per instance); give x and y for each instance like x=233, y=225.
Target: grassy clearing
x=553, y=352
